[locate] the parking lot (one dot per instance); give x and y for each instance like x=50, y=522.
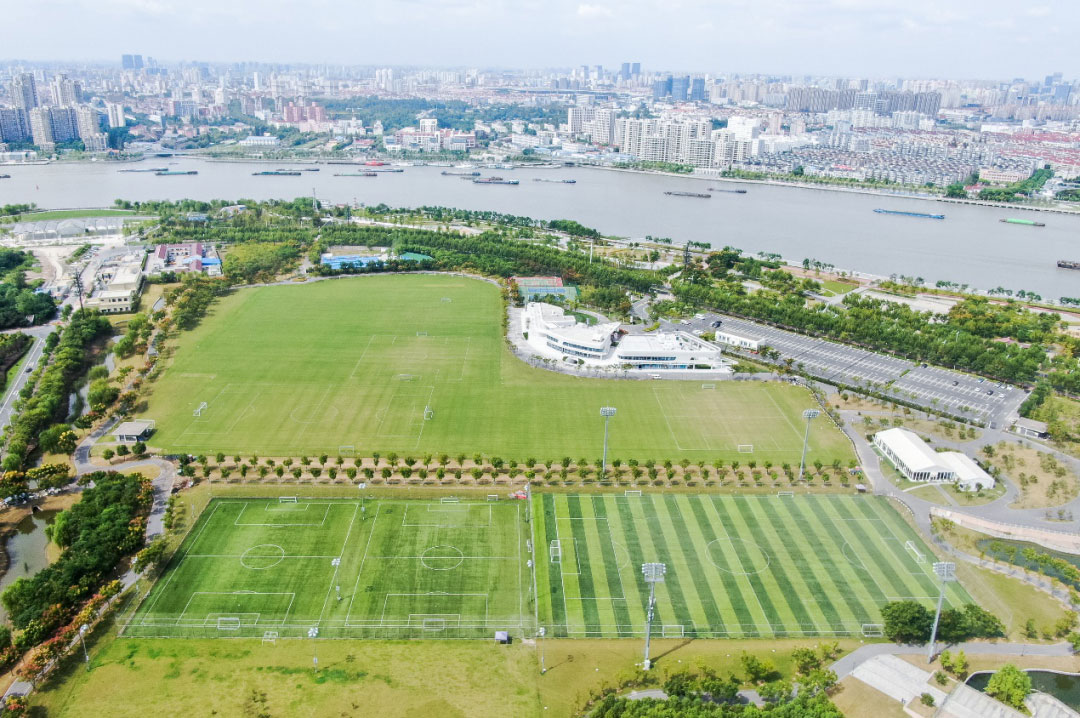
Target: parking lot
x=934, y=388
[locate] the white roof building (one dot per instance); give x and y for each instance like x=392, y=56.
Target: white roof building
x=913, y=458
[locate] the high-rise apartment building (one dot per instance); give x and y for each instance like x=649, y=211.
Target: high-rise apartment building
x=115, y=113
x=65, y=91
x=131, y=62
x=680, y=88
x=24, y=92
x=14, y=125
x=697, y=89
x=41, y=127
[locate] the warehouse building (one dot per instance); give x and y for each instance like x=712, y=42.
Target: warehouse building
x=913, y=458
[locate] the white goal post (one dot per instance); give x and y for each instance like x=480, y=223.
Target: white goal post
x=708, y=386
x=672, y=630
x=199, y=410
x=873, y=630
x=632, y=493
x=286, y=499
x=746, y=448
x=447, y=299
x=429, y=413
x=421, y=334
x=915, y=552
x=346, y=450
x=449, y=500
x=228, y=623
x=555, y=551
x=784, y=494
x=270, y=637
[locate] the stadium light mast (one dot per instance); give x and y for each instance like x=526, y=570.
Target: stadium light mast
x=654, y=574
x=607, y=412
x=313, y=632
x=809, y=415
x=946, y=571
x=82, y=639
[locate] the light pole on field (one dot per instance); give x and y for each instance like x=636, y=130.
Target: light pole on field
x=654, y=574
x=809, y=415
x=82, y=639
x=946, y=571
x=607, y=412
x=313, y=632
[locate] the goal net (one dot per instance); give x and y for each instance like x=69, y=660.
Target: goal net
x=632, y=493
x=449, y=500
x=784, y=494
x=270, y=637
x=226, y=623
x=429, y=413
x=915, y=552
x=421, y=334
x=346, y=450
x=746, y=448
x=555, y=551
x=286, y=499
x=873, y=630
x=492, y=497
x=672, y=630
x=708, y=386
x=199, y=410
x=447, y=299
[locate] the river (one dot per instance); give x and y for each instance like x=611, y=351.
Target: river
x=27, y=549
x=970, y=246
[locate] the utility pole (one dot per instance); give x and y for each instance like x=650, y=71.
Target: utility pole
x=809, y=415
x=79, y=287
x=946, y=571
x=607, y=412
x=654, y=574
x=82, y=639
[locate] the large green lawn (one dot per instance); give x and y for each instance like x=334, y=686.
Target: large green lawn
x=348, y=568
x=361, y=362
x=737, y=566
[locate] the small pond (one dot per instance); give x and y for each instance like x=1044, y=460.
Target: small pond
x=1063, y=686
x=27, y=549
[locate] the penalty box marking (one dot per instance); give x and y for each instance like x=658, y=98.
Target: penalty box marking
x=436, y=508
x=577, y=559
x=434, y=594
x=292, y=598
x=237, y=522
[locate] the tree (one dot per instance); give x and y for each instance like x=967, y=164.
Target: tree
x=756, y=669
x=956, y=191
x=1009, y=685
x=150, y=557
x=907, y=622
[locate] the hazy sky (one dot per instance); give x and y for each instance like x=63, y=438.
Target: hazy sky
x=911, y=38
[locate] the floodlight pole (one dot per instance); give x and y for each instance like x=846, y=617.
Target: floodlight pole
x=946, y=571
x=809, y=415
x=313, y=632
x=540, y=635
x=607, y=412
x=654, y=574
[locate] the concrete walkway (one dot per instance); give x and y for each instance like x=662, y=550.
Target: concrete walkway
x=847, y=665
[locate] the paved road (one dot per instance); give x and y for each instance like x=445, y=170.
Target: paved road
x=32, y=357
x=848, y=663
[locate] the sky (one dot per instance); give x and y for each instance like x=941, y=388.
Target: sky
x=987, y=39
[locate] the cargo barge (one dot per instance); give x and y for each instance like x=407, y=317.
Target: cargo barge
x=729, y=191
x=357, y=174
x=1066, y=264
x=555, y=181
x=700, y=195
x=276, y=173
x=460, y=174
x=175, y=173
x=151, y=169
x=5, y=176
x=1025, y=222
x=493, y=180
x=922, y=215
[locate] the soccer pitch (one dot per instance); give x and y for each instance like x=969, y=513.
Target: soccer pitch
x=416, y=364
x=737, y=566
x=346, y=568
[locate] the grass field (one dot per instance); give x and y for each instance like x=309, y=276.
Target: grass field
x=739, y=567
x=362, y=568
x=387, y=568
x=418, y=364
x=50, y=215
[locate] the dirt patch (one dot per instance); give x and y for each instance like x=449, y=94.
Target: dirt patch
x=1043, y=480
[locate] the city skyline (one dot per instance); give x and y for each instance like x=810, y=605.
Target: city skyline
x=994, y=39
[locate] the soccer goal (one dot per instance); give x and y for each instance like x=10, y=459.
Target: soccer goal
x=873, y=630
x=198, y=411
x=286, y=499
x=447, y=299
x=708, y=386
x=672, y=630
x=915, y=552
x=421, y=334
x=228, y=623
x=449, y=500
x=346, y=450
x=785, y=494
x=429, y=413
x=406, y=377
x=632, y=493
x=555, y=551
x=492, y=497
x=270, y=637
x=746, y=448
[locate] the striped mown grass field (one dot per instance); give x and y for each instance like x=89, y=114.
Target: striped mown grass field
x=737, y=566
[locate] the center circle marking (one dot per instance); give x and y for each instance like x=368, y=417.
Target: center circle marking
x=263, y=556
x=442, y=558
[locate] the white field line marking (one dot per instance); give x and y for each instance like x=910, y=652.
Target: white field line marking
x=176, y=570
x=333, y=579
x=356, y=586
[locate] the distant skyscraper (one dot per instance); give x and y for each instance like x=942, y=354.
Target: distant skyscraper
x=697, y=89
x=635, y=69
x=24, y=92
x=680, y=88
x=116, y=114
x=65, y=91
x=131, y=62
x=624, y=71
x=41, y=127
x=662, y=88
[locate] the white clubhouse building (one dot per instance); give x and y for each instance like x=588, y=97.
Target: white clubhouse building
x=554, y=334
x=918, y=462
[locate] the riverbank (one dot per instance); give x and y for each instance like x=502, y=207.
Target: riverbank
x=11, y=517
x=880, y=192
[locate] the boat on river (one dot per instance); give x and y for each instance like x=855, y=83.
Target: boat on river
x=699, y=195
x=1024, y=222
x=176, y=173
x=922, y=215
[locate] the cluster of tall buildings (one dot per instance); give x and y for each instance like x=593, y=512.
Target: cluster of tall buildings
x=51, y=118
x=679, y=89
